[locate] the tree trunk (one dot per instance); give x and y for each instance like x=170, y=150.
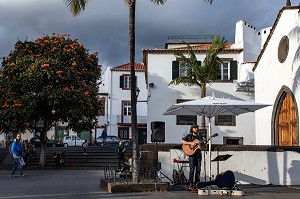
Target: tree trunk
x=203, y=94
x=43, y=139
x=135, y=163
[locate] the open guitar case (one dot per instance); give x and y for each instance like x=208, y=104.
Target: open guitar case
x=224, y=184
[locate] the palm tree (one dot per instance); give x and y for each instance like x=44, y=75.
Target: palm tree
x=78, y=6
x=200, y=75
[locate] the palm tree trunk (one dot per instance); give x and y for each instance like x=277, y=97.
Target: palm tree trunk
x=203, y=94
x=135, y=163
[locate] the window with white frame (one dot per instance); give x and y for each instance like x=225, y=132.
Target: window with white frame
x=181, y=69
x=125, y=81
x=184, y=69
x=126, y=108
x=228, y=70
x=224, y=73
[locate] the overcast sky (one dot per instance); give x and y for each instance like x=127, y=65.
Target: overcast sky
x=103, y=26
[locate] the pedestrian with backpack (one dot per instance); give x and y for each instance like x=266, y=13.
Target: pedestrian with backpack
x=17, y=152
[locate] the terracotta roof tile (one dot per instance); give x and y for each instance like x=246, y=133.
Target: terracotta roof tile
x=204, y=47
x=126, y=67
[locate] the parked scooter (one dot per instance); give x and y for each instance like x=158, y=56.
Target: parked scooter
x=59, y=158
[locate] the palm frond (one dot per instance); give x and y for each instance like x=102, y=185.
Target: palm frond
x=162, y=2
x=209, y=1
x=185, y=80
x=212, y=62
x=76, y=6
x=180, y=56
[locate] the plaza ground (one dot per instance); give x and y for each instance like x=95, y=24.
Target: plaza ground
x=86, y=184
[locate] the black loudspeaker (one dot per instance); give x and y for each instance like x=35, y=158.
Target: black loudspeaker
x=158, y=131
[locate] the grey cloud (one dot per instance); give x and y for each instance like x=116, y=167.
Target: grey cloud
x=103, y=26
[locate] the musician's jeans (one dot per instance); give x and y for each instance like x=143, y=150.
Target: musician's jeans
x=195, y=168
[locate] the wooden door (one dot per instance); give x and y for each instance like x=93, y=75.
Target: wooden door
x=123, y=132
x=287, y=123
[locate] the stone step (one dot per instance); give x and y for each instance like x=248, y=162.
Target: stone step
x=97, y=156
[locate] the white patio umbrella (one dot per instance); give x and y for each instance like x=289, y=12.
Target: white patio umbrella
x=211, y=107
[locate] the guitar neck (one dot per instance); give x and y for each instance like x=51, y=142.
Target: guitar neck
x=209, y=138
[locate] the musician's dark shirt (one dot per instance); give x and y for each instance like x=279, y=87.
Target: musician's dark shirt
x=190, y=138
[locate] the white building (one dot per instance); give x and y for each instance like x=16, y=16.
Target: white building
x=277, y=76
x=238, y=61
x=103, y=97
x=119, y=102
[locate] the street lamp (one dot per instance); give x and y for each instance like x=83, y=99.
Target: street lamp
x=137, y=92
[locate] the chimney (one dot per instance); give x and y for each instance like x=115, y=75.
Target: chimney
x=288, y=3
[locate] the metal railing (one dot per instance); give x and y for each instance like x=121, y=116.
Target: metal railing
x=126, y=119
x=111, y=174
x=190, y=38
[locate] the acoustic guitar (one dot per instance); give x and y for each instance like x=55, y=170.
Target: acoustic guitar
x=189, y=150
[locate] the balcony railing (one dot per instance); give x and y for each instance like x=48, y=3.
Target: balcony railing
x=126, y=119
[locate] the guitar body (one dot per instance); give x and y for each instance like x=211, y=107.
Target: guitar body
x=188, y=150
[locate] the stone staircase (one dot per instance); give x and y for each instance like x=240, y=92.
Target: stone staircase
x=96, y=158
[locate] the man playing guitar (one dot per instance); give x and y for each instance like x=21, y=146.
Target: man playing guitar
x=195, y=158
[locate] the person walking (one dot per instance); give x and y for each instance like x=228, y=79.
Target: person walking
x=104, y=136
x=195, y=158
x=85, y=145
x=120, y=151
x=17, y=152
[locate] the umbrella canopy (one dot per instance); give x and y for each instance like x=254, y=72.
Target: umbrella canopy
x=211, y=107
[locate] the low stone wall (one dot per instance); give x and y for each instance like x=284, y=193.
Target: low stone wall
x=131, y=187
x=251, y=164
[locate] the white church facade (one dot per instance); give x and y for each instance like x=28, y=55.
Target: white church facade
x=277, y=77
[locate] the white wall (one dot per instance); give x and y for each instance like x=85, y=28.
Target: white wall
x=249, y=38
x=271, y=75
x=116, y=95
x=249, y=167
x=163, y=96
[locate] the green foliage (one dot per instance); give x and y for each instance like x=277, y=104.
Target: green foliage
x=76, y=6
x=201, y=74
x=53, y=78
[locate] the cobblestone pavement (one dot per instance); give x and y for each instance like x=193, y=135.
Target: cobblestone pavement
x=50, y=184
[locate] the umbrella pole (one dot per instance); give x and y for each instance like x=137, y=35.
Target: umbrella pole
x=209, y=148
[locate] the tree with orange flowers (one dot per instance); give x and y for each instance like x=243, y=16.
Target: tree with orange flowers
x=52, y=79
